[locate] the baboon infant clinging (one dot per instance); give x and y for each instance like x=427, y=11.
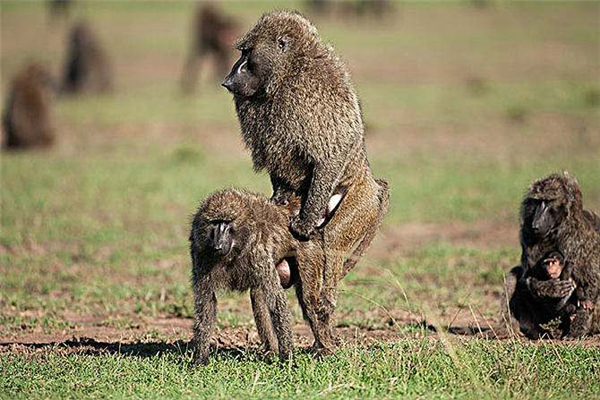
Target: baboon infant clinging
x=241, y=241
x=300, y=118
x=87, y=67
x=553, y=220
x=213, y=33
x=27, y=120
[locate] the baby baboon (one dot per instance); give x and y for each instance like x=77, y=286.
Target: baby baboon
x=27, y=120
x=87, y=67
x=553, y=219
x=301, y=119
x=241, y=241
x=213, y=34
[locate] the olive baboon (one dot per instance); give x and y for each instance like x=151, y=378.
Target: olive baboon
x=59, y=8
x=87, y=67
x=358, y=8
x=239, y=241
x=300, y=118
x=213, y=34
x=27, y=120
x=553, y=220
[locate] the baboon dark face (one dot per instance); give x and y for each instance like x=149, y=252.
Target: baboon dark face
x=247, y=75
x=221, y=237
x=269, y=51
x=542, y=216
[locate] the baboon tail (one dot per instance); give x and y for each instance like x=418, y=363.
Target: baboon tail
x=384, y=199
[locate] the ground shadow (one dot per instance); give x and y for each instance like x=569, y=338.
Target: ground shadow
x=89, y=346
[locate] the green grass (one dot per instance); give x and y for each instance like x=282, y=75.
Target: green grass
x=464, y=108
x=411, y=369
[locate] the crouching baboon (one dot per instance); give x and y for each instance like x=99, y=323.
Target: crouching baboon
x=87, y=68
x=555, y=229
x=27, y=120
x=300, y=117
x=213, y=34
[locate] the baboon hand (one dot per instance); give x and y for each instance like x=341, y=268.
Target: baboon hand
x=301, y=227
x=280, y=199
x=552, y=289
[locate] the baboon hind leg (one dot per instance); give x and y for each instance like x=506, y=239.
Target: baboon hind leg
x=308, y=291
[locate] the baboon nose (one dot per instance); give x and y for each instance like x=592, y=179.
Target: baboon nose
x=227, y=83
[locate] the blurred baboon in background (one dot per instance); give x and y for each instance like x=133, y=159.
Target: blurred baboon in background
x=357, y=8
x=554, y=222
x=59, y=8
x=27, y=120
x=213, y=34
x=86, y=68
x=370, y=8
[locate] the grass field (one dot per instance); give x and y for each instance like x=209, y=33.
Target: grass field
x=464, y=107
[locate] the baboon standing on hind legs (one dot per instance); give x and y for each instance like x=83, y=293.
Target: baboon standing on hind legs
x=300, y=118
x=553, y=220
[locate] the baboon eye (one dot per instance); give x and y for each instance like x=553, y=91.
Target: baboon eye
x=282, y=43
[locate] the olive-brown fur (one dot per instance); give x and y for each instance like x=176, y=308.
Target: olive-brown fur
x=27, y=120
x=213, y=34
x=300, y=117
x=575, y=235
x=87, y=68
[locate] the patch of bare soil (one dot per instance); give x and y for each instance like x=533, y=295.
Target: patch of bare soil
x=398, y=240
x=172, y=335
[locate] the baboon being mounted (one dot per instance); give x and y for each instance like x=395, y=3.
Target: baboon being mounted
x=562, y=237
x=213, y=34
x=87, y=68
x=301, y=119
x=27, y=120
x=240, y=241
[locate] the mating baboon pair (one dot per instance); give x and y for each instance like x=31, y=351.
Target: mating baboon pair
x=213, y=34
x=315, y=159
x=559, y=276
x=28, y=120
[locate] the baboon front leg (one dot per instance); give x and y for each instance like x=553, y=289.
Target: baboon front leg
x=262, y=317
x=205, y=311
x=325, y=177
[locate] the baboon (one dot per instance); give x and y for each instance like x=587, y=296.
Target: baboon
x=213, y=34
x=87, y=67
x=240, y=241
x=59, y=8
x=358, y=8
x=300, y=117
x=27, y=120
x=553, y=220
